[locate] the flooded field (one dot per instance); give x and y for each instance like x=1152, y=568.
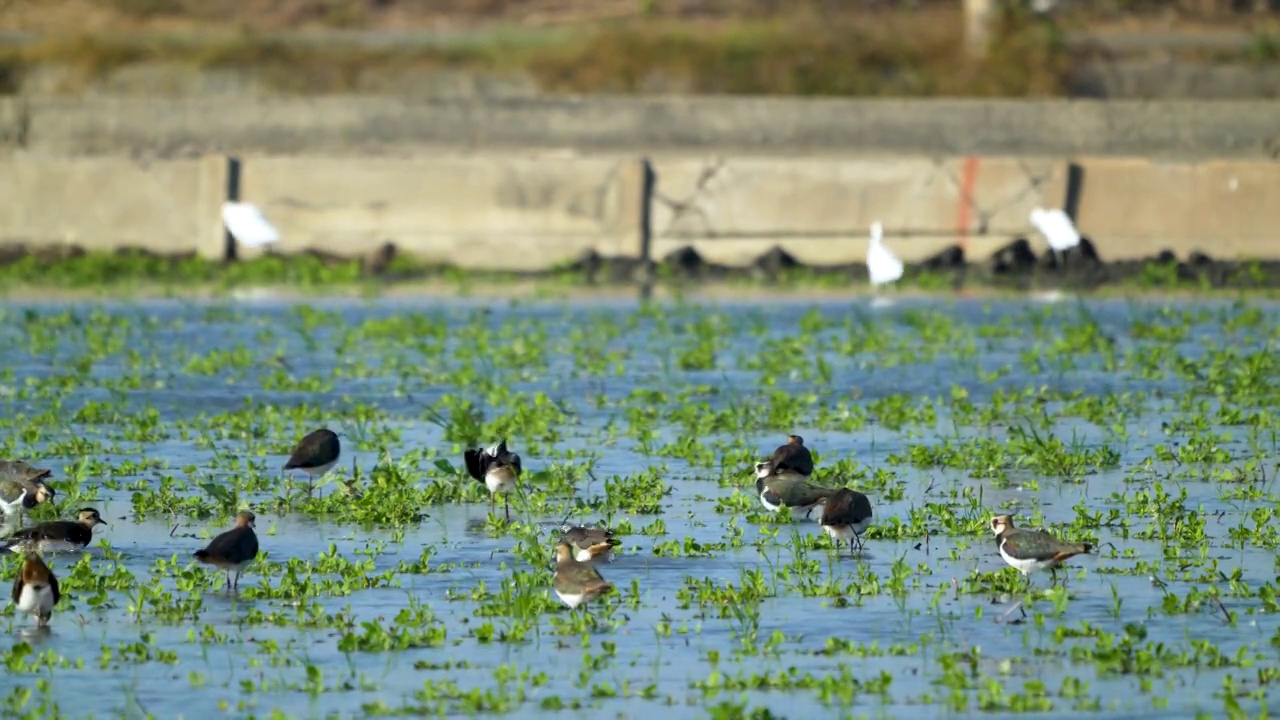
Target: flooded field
x=1147, y=428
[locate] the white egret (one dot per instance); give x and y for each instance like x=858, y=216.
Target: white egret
x=883, y=266
x=248, y=226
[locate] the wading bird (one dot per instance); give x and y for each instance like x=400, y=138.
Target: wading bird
x=498, y=468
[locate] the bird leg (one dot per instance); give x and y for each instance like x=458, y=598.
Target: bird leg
x=1017, y=606
x=506, y=505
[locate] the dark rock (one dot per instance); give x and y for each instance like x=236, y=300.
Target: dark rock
x=685, y=261
x=952, y=257
x=775, y=261
x=375, y=261
x=1016, y=257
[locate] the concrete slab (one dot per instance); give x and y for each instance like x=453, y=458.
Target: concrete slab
x=494, y=212
x=731, y=210
x=107, y=203
x=1135, y=208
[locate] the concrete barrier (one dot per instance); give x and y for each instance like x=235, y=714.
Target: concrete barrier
x=485, y=212
x=106, y=203
x=643, y=124
x=533, y=211
x=1135, y=208
x=731, y=211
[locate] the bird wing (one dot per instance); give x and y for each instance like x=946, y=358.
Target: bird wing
x=474, y=466
x=10, y=490
x=803, y=494
x=53, y=585
x=574, y=535
x=34, y=532
x=580, y=574
x=247, y=224
x=1033, y=545
x=846, y=507
x=234, y=541
x=792, y=457
x=592, y=538
x=17, y=587
x=837, y=510
x=1057, y=228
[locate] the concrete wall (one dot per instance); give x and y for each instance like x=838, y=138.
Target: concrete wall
x=1138, y=207
x=359, y=125
x=733, y=210
x=532, y=211
x=105, y=203
x=499, y=212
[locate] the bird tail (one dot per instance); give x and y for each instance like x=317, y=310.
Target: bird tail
x=1080, y=549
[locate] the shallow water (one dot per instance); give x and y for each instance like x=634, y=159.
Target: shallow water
x=915, y=352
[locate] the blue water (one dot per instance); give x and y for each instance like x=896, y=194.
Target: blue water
x=863, y=356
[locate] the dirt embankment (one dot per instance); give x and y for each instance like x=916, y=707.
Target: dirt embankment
x=805, y=47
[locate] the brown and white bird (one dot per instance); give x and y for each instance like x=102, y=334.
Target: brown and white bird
x=576, y=582
x=55, y=535
x=792, y=459
x=315, y=454
x=22, y=487
x=233, y=550
x=1030, y=550
x=589, y=543
x=846, y=514
x=497, y=467
x=35, y=590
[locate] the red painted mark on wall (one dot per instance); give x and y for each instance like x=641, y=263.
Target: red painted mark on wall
x=968, y=178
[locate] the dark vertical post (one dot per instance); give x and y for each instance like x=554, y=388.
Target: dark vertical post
x=233, y=195
x=1075, y=189
x=646, y=229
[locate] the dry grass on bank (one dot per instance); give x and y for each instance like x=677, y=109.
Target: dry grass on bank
x=792, y=47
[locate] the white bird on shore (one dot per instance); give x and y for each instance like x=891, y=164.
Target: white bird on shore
x=1056, y=227
x=248, y=225
x=883, y=266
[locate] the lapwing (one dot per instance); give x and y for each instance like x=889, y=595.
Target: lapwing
x=846, y=514
x=22, y=487
x=233, y=550
x=55, y=535
x=589, y=543
x=788, y=491
x=792, y=459
x=1031, y=550
x=498, y=468
x=35, y=590
x=315, y=454
x=576, y=582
